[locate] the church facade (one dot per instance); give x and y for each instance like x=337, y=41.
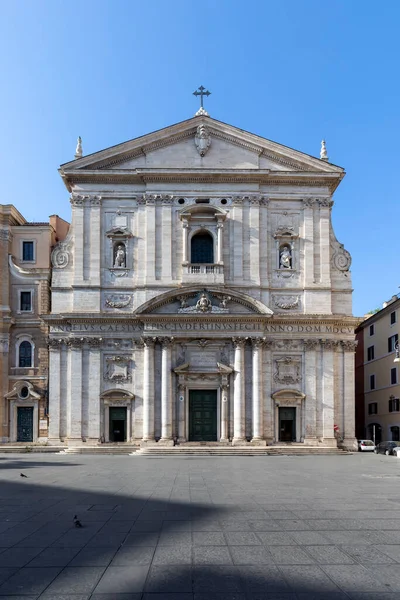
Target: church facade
x=201, y=295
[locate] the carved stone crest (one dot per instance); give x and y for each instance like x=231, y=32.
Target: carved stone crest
x=118, y=301
x=204, y=304
x=286, y=302
x=202, y=140
x=60, y=256
x=287, y=370
x=117, y=369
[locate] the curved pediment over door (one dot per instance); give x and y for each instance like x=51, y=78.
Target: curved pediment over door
x=195, y=301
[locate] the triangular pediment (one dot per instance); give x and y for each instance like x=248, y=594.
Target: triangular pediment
x=204, y=302
x=224, y=147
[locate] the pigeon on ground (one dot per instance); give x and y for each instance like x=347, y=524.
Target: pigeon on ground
x=77, y=522
x=22, y=475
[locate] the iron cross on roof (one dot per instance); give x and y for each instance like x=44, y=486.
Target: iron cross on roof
x=201, y=92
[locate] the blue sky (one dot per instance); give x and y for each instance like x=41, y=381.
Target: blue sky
x=293, y=71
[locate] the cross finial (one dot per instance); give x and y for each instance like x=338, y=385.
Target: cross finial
x=201, y=91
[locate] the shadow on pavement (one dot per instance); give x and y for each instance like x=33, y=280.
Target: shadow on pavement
x=144, y=536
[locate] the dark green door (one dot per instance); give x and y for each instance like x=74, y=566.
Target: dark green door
x=118, y=424
x=25, y=424
x=287, y=424
x=202, y=415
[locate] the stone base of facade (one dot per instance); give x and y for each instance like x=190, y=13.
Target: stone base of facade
x=153, y=443
x=349, y=444
x=255, y=442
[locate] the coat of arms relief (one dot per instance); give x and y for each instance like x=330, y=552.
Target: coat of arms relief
x=287, y=370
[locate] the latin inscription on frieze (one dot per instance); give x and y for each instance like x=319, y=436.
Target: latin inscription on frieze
x=199, y=327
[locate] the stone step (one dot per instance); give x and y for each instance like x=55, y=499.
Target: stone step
x=127, y=449
x=238, y=451
x=27, y=448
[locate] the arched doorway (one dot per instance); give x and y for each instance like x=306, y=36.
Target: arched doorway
x=202, y=249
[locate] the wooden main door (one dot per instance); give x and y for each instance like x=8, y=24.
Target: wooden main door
x=202, y=415
x=25, y=424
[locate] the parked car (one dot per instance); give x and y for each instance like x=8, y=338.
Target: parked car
x=365, y=445
x=387, y=448
x=396, y=451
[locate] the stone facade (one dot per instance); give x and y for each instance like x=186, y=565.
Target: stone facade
x=201, y=267
x=25, y=296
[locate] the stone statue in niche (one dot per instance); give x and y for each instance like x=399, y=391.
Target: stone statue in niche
x=120, y=256
x=285, y=258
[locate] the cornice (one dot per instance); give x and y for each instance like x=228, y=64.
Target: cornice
x=261, y=176
x=71, y=318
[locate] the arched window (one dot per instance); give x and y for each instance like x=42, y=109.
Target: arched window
x=395, y=433
x=25, y=354
x=202, y=249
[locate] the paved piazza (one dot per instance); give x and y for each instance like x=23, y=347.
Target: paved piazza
x=237, y=528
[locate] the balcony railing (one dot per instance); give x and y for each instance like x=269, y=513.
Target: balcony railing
x=210, y=273
x=205, y=269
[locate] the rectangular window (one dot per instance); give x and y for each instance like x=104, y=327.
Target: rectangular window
x=26, y=301
x=372, y=382
x=370, y=353
x=393, y=318
x=373, y=408
x=371, y=329
x=394, y=404
x=27, y=251
x=393, y=375
x=392, y=341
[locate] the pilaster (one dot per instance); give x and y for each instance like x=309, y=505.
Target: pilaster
x=95, y=240
x=328, y=347
x=308, y=242
x=54, y=391
x=166, y=390
x=148, y=389
x=310, y=347
x=254, y=233
x=237, y=239
x=324, y=241
x=150, y=241
x=238, y=393
x=75, y=417
x=349, y=440
x=258, y=425
x=77, y=203
x=266, y=396
x=224, y=414
x=93, y=408
x=167, y=239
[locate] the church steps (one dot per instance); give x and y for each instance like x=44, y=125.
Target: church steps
x=238, y=451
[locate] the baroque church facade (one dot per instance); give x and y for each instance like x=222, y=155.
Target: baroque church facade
x=201, y=295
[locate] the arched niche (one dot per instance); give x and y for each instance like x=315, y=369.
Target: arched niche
x=202, y=220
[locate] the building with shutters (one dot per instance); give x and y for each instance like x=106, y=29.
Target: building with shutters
x=377, y=374
x=25, y=271
x=201, y=295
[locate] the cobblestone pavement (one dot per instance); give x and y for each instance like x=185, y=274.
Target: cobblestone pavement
x=240, y=528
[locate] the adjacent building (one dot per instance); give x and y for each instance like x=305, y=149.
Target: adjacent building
x=201, y=295
x=25, y=270
x=377, y=374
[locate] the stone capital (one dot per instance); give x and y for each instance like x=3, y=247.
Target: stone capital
x=239, y=342
x=349, y=345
